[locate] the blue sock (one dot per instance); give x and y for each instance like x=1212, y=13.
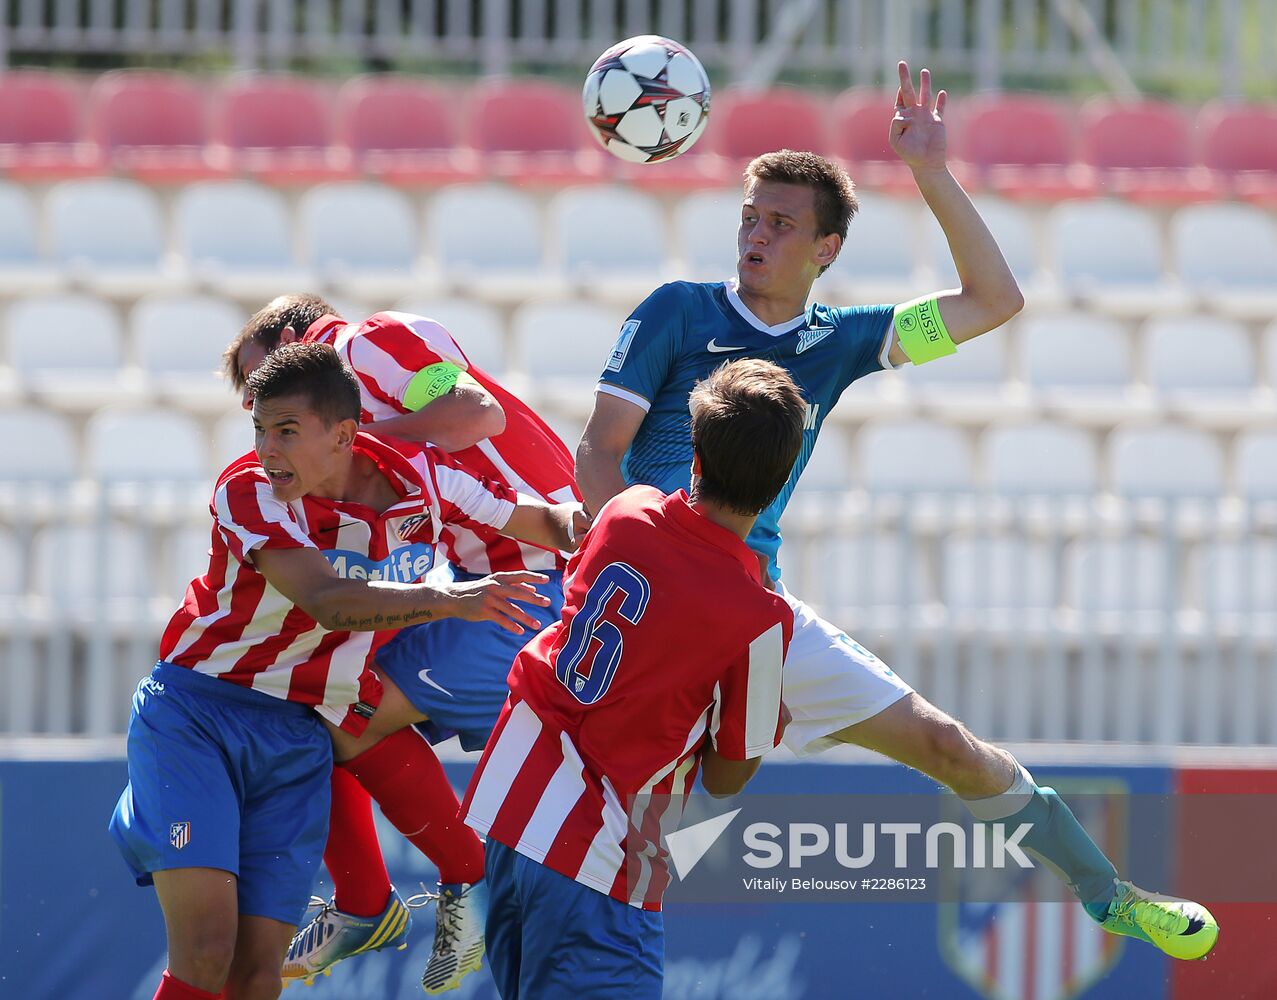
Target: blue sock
x=1056, y=836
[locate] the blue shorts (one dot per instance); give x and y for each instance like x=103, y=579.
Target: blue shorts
x=551, y=937
x=225, y=777
x=456, y=672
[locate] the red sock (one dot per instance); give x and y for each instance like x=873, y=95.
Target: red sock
x=353, y=856
x=172, y=988
x=406, y=779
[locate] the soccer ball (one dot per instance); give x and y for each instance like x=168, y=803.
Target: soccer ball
x=647, y=99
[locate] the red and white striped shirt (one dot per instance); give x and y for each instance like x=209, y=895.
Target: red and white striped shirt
x=667, y=639
x=386, y=351
x=234, y=625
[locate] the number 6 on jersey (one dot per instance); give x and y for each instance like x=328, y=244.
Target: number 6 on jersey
x=589, y=658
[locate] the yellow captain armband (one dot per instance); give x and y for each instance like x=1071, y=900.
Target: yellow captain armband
x=430, y=383
x=922, y=334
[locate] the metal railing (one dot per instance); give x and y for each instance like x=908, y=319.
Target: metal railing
x=1147, y=621
x=1209, y=46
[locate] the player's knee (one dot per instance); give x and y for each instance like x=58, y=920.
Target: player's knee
x=205, y=958
x=261, y=982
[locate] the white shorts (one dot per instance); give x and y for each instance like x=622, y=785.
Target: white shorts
x=830, y=681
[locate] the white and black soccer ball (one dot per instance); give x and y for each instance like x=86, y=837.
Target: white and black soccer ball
x=647, y=99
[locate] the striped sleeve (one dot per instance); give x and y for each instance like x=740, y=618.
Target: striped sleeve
x=249, y=516
x=745, y=720
x=394, y=347
x=464, y=497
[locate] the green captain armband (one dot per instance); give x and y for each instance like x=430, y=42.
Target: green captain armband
x=922, y=334
x=430, y=383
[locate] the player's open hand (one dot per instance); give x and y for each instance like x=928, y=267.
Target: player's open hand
x=496, y=598
x=917, y=130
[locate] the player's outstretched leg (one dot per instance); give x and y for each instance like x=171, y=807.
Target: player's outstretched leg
x=996, y=788
x=365, y=913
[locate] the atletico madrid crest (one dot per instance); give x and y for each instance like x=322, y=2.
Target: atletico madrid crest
x=179, y=835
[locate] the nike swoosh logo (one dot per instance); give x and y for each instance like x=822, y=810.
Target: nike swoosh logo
x=424, y=675
x=714, y=348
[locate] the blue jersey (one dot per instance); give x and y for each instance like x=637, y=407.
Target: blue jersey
x=683, y=331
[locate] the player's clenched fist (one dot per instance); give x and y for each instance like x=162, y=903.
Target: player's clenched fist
x=492, y=599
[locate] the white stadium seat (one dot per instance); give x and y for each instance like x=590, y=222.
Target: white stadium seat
x=22, y=267
x=68, y=351
x=1227, y=253
x=706, y=224
x=1041, y=458
x=1237, y=577
x=38, y=446
x=983, y=574
x=1110, y=253
x=66, y=562
x=488, y=238
x=970, y=386
x=178, y=341
x=232, y=438
x=1256, y=459
x=1113, y=576
x=565, y=346
x=1081, y=366
x=362, y=237
x=912, y=455
x=1205, y=369
x=476, y=326
x=828, y=469
x=879, y=260
x=1011, y=227
x=145, y=444
x=106, y=222
x=611, y=240
x=1165, y=461
x=183, y=558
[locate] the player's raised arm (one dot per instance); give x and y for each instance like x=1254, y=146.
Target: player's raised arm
x=611, y=427
x=449, y=409
x=305, y=577
x=989, y=295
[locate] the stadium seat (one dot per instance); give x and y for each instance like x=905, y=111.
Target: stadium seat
x=1081, y=367
x=183, y=558
x=1110, y=254
x=1239, y=142
x=706, y=223
x=39, y=446
x=141, y=444
x=94, y=576
x=1142, y=151
x=990, y=575
x=462, y=221
x=621, y=260
x=237, y=235
x=1205, y=368
x=531, y=132
x=280, y=129
x=1117, y=577
x=108, y=232
x=861, y=126
x=564, y=346
x=748, y=123
x=1227, y=254
x=1022, y=146
x=360, y=238
x=153, y=126
x=178, y=342
x=828, y=469
x=1165, y=461
x=879, y=260
x=1040, y=458
x=477, y=327
x=22, y=267
x=971, y=386
x=68, y=351
x=1236, y=577
x=909, y=455
x=232, y=439
x=403, y=130
x=41, y=127
x=1256, y=464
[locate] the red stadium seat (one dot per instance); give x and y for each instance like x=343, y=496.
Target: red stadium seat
x=1142, y=151
x=1239, y=143
x=1022, y=146
x=153, y=125
x=403, y=130
x=746, y=124
x=861, y=127
x=529, y=131
x=279, y=128
x=41, y=128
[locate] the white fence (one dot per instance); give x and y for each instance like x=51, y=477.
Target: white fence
x=1058, y=618
x=1223, y=45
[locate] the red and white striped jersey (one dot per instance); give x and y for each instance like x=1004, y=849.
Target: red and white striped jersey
x=234, y=625
x=667, y=639
x=385, y=351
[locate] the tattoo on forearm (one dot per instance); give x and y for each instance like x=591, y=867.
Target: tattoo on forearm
x=377, y=623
